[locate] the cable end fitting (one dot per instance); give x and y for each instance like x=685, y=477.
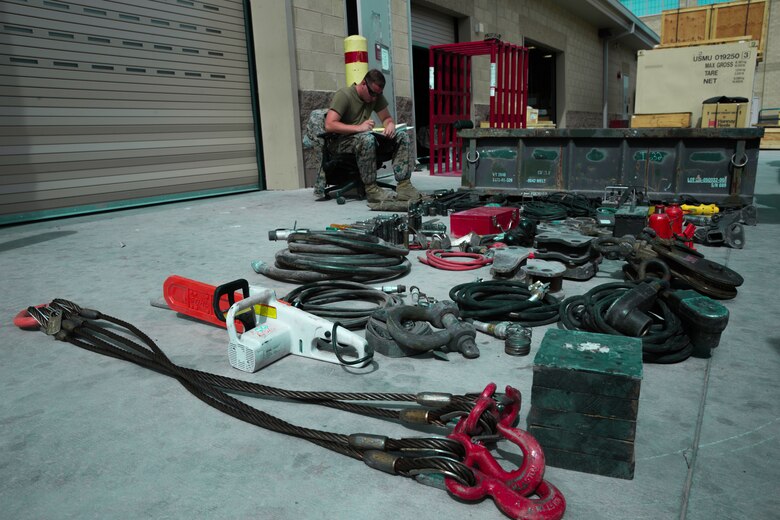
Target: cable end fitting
x=381, y=460
x=367, y=441
x=433, y=399
x=415, y=416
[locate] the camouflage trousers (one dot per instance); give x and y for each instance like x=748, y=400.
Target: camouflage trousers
x=363, y=146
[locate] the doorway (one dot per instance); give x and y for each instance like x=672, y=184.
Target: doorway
x=421, y=101
x=541, y=80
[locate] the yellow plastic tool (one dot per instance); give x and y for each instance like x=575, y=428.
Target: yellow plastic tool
x=701, y=209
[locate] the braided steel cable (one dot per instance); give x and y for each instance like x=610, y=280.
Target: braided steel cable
x=79, y=327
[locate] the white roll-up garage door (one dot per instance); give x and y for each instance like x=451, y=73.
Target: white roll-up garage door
x=109, y=103
x=431, y=27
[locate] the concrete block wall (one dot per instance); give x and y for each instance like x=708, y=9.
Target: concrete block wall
x=320, y=28
x=767, y=80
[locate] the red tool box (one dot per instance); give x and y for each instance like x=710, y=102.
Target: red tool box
x=488, y=220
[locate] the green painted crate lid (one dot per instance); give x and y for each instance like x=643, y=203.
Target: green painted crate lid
x=591, y=352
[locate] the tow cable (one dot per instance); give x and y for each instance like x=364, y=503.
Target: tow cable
x=461, y=463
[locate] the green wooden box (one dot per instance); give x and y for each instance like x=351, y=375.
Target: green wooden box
x=590, y=404
x=589, y=463
x=590, y=363
x=582, y=423
x=567, y=440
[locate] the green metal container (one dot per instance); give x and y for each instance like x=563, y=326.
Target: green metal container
x=709, y=164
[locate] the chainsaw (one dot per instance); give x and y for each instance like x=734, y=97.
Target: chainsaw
x=263, y=329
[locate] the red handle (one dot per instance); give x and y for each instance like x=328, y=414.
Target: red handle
x=194, y=298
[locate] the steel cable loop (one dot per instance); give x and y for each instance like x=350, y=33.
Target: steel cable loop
x=504, y=300
x=440, y=445
x=86, y=334
x=318, y=299
x=411, y=466
x=665, y=341
x=208, y=394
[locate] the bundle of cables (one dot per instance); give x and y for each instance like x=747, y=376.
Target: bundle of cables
x=439, y=259
x=576, y=205
x=664, y=340
x=544, y=211
x=500, y=300
x=97, y=332
x=360, y=301
x=315, y=256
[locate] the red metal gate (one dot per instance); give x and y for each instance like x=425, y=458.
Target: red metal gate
x=450, y=91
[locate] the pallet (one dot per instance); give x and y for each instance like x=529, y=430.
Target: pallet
x=668, y=120
x=771, y=139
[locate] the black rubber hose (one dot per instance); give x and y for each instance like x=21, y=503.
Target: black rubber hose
x=319, y=298
x=576, y=205
x=318, y=256
x=499, y=300
x=665, y=341
x=541, y=211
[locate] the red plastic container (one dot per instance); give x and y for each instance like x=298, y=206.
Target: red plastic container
x=661, y=224
x=675, y=213
x=488, y=220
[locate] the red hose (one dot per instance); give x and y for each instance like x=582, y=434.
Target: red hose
x=438, y=258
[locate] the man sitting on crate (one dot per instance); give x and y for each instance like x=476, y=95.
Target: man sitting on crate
x=349, y=115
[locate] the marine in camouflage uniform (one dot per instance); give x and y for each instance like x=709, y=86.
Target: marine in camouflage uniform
x=351, y=112
x=314, y=127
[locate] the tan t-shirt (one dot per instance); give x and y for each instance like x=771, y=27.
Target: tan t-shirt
x=352, y=109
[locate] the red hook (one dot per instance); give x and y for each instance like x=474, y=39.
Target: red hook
x=510, y=490
x=549, y=506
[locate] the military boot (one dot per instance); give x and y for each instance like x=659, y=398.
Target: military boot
x=405, y=191
x=374, y=193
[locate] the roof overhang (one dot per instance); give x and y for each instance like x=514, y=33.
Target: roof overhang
x=614, y=21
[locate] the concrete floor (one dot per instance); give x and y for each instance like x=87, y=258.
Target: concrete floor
x=85, y=436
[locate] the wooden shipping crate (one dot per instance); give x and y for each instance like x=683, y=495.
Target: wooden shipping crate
x=668, y=120
x=716, y=22
x=725, y=115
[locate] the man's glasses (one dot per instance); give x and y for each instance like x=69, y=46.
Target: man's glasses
x=372, y=93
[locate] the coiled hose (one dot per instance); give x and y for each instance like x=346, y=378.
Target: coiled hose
x=336, y=255
x=499, y=300
x=665, y=341
x=542, y=211
x=319, y=298
x=438, y=258
x=576, y=205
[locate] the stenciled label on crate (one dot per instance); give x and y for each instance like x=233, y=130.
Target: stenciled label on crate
x=681, y=79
